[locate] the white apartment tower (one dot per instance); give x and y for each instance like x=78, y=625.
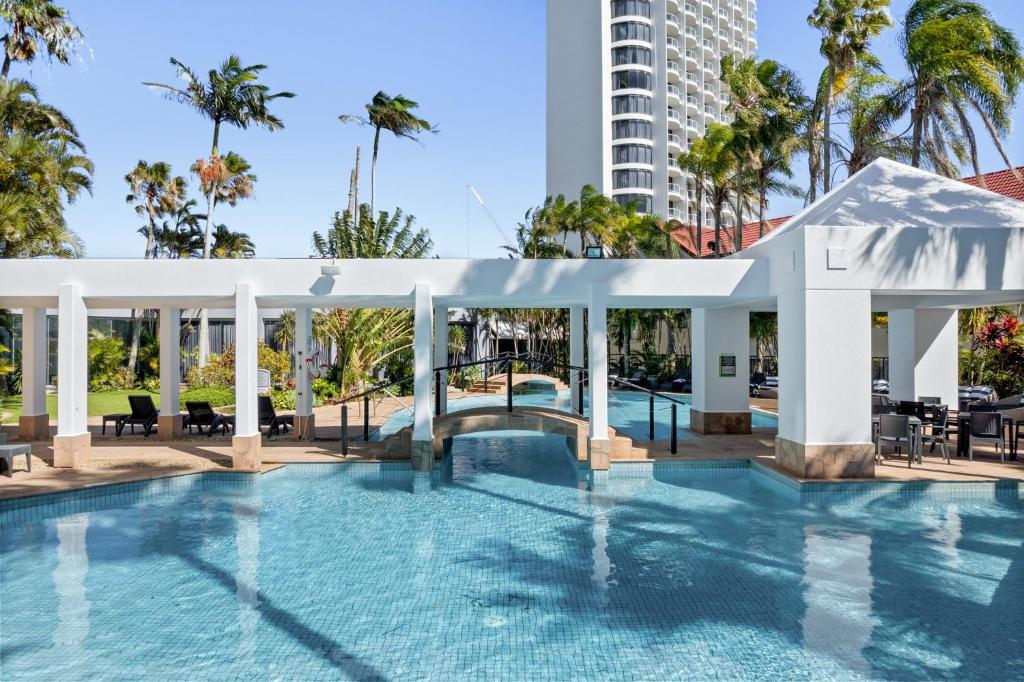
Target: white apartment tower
x=630, y=84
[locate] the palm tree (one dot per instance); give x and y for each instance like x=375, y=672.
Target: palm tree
x=33, y=24
x=960, y=61
x=846, y=26
x=42, y=168
x=710, y=163
x=182, y=236
x=229, y=244
x=390, y=236
x=233, y=95
x=870, y=110
x=393, y=114
x=154, y=191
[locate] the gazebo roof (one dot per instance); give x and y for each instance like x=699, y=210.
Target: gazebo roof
x=891, y=194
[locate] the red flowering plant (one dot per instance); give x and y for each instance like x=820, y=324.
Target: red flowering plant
x=1002, y=342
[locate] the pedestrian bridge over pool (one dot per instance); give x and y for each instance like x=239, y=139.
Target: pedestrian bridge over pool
x=521, y=418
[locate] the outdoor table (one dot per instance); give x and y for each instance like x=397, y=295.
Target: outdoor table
x=915, y=433
x=116, y=418
x=8, y=453
x=963, y=434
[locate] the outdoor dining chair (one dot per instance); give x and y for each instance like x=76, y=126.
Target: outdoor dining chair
x=911, y=408
x=144, y=414
x=936, y=430
x=987, y=427
x=894, y=431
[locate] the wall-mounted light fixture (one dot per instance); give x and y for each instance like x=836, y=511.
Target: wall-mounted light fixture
x=594, y=251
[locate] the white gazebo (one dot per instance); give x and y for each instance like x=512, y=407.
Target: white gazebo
x=891, y=239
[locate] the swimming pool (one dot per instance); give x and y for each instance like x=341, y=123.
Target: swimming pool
x=628, y=411
x=512, y=564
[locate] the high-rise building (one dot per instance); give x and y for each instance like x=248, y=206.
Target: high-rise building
x=631, y=83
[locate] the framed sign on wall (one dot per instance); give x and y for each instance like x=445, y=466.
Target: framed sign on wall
x=726, y=365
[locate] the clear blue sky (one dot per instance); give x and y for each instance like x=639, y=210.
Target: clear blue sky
x=477, y=69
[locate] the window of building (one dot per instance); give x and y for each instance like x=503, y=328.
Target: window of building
x=643, y=203
x=632, y=178
x=640, y=80
x=632, y=128
x=631, y=30
x=633, y=153
x=631, y=8
x=631, y=104
x=631, y=54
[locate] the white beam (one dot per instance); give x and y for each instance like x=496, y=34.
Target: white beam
x=423, y=427
x=441, y=350
x=577, y=341
x=33, y=361
x=72, y=361
x=303, y=350
x=246, y=339
x=924, y=355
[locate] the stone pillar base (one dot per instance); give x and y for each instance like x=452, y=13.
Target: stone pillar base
x=247, y=452
x=169, y=426
x=599, y=452
x=720, y=423
x=844, y=460
x=422, y=454
x=72, y=452
x=34, y=427
x=305, y=427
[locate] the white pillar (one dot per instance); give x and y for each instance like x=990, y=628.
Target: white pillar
x=423, y=420
x=305, y=421
x=599, y=447
x=825, y=384
x=72, y=443
x=34, y=422
x=169, y=422
x=441, y=350
x=577, y=339
x=246, y=444
x=924, y=355
x=721, y=371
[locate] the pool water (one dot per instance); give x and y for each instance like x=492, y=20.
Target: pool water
x=513, y=564
x=628, y=411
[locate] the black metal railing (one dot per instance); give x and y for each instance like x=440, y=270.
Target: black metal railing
x=652, y=394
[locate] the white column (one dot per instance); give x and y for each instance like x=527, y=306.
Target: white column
x=169, y=424
x=598, y=363
x=441, y=350
x=247, y=442
x=303, y=348
x=72, y=443
x=423, y=352
x=577, y=339
x=34, y=421
x=721, y=345
x=825, y=384
x=72, y=361
x=924, y=354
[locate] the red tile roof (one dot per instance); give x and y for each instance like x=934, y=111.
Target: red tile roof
x=1002, y=182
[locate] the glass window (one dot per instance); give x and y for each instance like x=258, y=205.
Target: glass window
x=631, y=30
x=633, y=178
x=631, y=8
x=622, y=80
x=631, y=54
x=631, y=104
x=632, y=128
x=643, y=203
x=633, y=153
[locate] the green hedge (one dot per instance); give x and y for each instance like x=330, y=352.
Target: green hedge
x=217, y=396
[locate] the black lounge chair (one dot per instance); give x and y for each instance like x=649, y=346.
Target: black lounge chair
x=269, y=418
x=201, y=415
x=144, y=414
x=683, y=383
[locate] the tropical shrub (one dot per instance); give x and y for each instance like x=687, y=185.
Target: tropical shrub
x=151, y=384
x=219, y=370
x=283, y=399
x=217, y=396
x=1000, y=347
x=277, y=362
x=106, y=357
x=325, y=390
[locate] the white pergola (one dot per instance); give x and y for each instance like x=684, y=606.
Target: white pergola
x=890, y=239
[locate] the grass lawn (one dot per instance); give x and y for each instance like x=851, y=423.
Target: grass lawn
x=107, y=402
